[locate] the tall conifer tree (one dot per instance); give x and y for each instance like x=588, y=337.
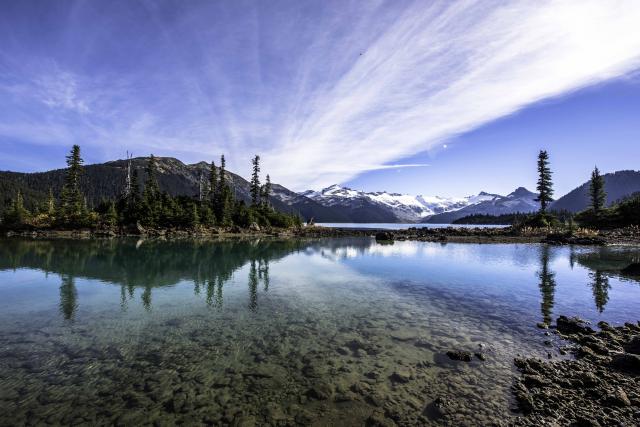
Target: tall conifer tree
x=255, y=181
x=73, y=203
x=213, y=181
x=596, y=191
x=224, y=200
x=545, y=185
x=151, y=187
x=266, y=191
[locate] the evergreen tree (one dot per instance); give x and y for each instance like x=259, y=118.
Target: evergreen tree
x=151, y=206
x=17, y=214
x=194, y=220
x=255, y=181
x=545, y=186
x=51, y=203
x=224, y=199
x=213, y=182
x=73, y=207
x=266, y=191
x=222, y=181
x=135, y=186
x=151, y=187
x=111, y=216
x=596, y=191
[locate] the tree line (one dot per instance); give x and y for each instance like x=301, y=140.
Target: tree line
x=146, y=204
x=621, y=213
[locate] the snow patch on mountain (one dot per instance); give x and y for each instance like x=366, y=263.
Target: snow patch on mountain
x=405, y=207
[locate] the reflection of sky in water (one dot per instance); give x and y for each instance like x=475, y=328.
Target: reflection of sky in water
x=318, y=271
x=96, y=309
x=506, y=272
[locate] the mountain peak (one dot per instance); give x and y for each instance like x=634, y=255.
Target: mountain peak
x=332, y=187
x=521, y=192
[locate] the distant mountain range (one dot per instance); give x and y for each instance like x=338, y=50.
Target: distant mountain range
x=381, y=206
x=521, y=200
x=332, y=204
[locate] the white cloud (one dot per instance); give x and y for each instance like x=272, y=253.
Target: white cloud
x=434, y=74
x=321, y=97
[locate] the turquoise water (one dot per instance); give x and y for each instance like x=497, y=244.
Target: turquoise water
x=309, y=332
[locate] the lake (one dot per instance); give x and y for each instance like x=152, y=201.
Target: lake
x=285, y=332
x=395, y=226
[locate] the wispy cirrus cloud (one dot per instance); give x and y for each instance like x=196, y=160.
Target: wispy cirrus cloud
x=322, y=91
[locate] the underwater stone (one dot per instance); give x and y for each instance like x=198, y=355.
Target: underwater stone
x=462, y=355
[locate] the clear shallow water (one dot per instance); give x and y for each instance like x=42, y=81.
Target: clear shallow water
x=394, y=226
x=325, y=332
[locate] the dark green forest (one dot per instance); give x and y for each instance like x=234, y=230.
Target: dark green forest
x=486, y=219
x=71, y=199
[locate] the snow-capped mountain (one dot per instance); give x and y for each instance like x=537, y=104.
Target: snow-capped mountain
x=391, y=207
x=521, y=200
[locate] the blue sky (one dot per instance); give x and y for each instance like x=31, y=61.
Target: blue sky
x=422, y=97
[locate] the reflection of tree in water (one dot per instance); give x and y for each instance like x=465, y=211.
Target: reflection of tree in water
x=253, y=286
x=600, y=287
x=150, y=264
x=214, y=293
x=146, y=298
x=572, y=257
x=123, y=297
x=263, y=273
x=147, y=265
x=547, y=285
x=68, y=298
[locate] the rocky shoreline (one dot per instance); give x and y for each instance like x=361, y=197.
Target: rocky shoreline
x=624, y=236
x=598, y=386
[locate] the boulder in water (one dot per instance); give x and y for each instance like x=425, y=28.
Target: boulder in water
x=572, y=325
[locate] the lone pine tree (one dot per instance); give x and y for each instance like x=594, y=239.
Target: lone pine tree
x=596, y=191
x=545, y=185
x=255, y=181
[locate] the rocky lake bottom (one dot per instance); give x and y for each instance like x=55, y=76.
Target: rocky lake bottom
x=291, y=332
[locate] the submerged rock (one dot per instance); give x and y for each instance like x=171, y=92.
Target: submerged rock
x=320, y=391
x=401, y=376
x=462, y=355
x=438, y=408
